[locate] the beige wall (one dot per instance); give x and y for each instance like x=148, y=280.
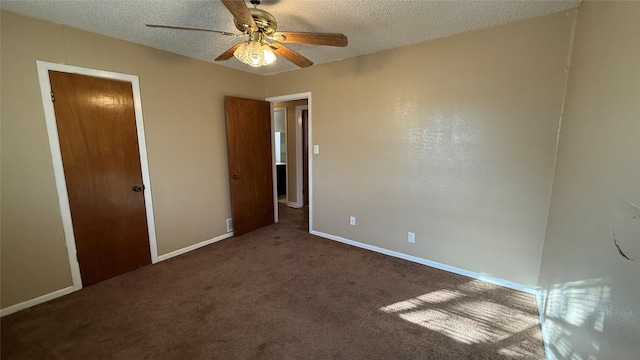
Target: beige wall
x=292, y=195
x=453, y=139
x=182, y=102
x=593, y=304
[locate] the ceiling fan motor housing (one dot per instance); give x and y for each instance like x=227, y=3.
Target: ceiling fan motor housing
x=266, y=22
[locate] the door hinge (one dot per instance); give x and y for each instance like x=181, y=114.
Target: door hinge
x=53, y=98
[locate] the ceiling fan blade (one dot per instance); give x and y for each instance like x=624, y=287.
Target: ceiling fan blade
x=229, y=53
x=240, y=12
x=310, y=38
x=190, y=28
x=291, y=55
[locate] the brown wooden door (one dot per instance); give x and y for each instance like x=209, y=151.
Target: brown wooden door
x=250, y=163
x=99, y=144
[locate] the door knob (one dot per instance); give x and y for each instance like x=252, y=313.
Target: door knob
x=136, y=188
x=235, y=176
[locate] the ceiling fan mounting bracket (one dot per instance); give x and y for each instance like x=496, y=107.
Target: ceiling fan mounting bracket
x=266, y=22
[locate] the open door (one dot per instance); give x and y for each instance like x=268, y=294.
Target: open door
x=250, y=163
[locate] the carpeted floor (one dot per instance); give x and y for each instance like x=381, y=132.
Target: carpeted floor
x=280, y=293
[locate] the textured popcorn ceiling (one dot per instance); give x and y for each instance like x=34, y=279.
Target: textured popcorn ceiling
x=370, y=25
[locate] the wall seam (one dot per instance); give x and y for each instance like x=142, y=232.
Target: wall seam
x=562, y=109
x=541, y=294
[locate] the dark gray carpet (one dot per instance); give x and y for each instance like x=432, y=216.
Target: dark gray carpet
x=280, y=293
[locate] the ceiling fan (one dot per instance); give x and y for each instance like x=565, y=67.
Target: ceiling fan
x=261, y=26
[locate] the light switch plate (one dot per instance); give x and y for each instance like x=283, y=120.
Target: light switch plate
x=316, y=149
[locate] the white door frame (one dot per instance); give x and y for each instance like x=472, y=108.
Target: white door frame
x=56, y=156
x=299, y=152
x=291, y=97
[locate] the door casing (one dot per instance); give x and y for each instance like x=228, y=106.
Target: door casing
x=56, y=157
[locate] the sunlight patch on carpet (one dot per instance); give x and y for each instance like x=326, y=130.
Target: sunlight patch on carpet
x=467, y=318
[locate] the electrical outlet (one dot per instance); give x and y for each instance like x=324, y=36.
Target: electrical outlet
x=411, y=237
x=229, y=225
x=352, y=221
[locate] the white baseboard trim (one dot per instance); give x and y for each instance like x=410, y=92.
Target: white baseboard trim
x=294, y=204
x=541, y=300
x=68, y=290
x=36, y=301
x=194, y=246
x=453, y=269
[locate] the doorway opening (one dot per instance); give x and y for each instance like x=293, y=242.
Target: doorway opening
x=280, y=143
x=295, y=208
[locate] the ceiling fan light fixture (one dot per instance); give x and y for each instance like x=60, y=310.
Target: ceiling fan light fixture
x=255, y=53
